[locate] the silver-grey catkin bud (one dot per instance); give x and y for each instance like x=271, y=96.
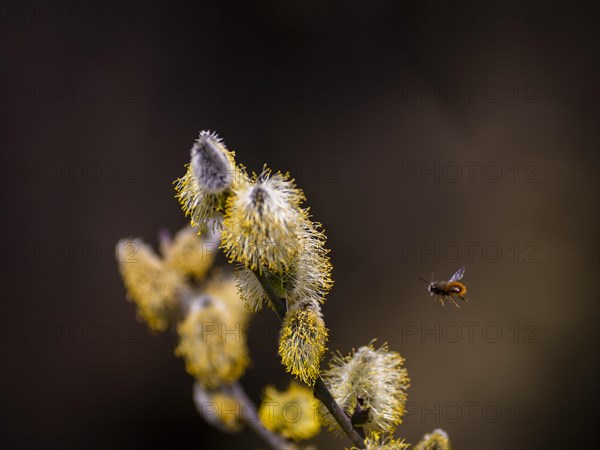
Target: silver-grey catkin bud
x=211, y=164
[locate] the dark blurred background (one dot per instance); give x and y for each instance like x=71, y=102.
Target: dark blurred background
x=426, y=136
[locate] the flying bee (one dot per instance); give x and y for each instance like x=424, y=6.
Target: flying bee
x=445, y=290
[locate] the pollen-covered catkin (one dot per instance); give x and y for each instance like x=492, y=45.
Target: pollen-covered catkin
x=222, y=286
x=437, y=440
x=311, y=272
x=308, y=277
x=149, y=282
x=292, y=413
x=190, y=254
x=302, y=340
x=262, y=223
x=374, y=377
x=377, y=441
x=213, y=343
x=210, y=176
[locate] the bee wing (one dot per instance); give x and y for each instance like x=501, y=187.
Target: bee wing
x=458, y=275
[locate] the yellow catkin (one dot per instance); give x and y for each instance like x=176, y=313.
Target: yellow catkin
x=224, y=287
x=150, y=283
x=228, y=411
x=437, y=440
x=308, y=277
x=190, y=254
x=205, y=209
x=377, y=441
x=213, y=343
x=302, y=341
x=262, y=223
x=292, y=413
x=375, y=377
x=210, y=177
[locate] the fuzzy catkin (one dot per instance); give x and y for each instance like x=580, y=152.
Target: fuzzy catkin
x=213, y=343
x=302, y=341
x=436, y=440
x=209, y=179
x=212, y=165
x=190, y=254
x=293, y=413
x=149, y=282
x=377, y=378
x=377, y=441
x=261, y=223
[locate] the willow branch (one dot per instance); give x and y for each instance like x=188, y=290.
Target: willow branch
x=321, y=392
x=249, y=413
x=250, y=416
x=278, y=303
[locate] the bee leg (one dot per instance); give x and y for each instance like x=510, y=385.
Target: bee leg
x=463, y=299
x=441, y=299
x=454, y=302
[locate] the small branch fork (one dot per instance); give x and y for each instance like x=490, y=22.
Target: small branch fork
x=248, y=408
x=321, y=392
x=250, y=417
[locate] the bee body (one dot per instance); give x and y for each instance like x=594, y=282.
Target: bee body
x=446, y=290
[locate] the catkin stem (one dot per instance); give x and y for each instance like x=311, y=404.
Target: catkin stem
x=321, y=392
x=250, y=416
x=277, y=302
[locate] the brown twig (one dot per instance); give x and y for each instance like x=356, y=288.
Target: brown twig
x=321, y=392
x=249, y=413
x=250, y=416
